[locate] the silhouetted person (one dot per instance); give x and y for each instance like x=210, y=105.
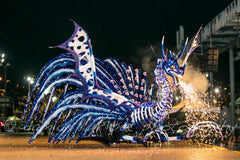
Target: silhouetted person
x=231, y=141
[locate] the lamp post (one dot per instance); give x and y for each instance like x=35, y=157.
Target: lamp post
x=2, y=56
x=217, y=93
x=30, y=81
x=216, y=90
x=4, y=64
x=1, y=64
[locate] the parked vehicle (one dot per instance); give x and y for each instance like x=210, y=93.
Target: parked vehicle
x=15, y=124
x=2, y=126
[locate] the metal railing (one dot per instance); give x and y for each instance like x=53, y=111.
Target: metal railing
x=230, y=13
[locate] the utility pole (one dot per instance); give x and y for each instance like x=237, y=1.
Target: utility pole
x=232, y=59
x=180, y=37
x=4, y=64
x=232, y=83
x=5, y=86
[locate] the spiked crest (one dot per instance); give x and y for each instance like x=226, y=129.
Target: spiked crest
x=170, y=63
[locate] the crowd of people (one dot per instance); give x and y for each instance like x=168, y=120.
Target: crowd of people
x=234, y=141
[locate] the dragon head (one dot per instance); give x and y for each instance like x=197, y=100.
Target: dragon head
x=169, y=64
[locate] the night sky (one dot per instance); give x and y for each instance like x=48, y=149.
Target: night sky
x=116, y=27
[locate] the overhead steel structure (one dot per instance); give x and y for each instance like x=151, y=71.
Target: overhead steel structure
x=223, y=32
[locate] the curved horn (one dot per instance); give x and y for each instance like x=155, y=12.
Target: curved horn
x=153, y=51
x=194, y=45
x=180, y=55
x=163, y=53
x=171, y=54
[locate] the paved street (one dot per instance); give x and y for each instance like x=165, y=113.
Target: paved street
x=14, y=147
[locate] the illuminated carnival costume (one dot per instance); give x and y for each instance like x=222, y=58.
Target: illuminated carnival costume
x=105, y=99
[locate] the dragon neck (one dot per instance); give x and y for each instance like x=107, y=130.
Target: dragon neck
x=165, y=98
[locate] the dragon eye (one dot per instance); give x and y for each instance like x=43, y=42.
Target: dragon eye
x=172, y=67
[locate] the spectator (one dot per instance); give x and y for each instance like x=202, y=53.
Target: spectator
x=231, y=141
x=225, y=142
x=238, y=138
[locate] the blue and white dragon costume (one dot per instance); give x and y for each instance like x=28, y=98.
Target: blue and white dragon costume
x=104, y=99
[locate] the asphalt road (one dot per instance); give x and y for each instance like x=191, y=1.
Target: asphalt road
x=14, y=147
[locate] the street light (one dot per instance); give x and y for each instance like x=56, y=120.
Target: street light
x=30, y=81
x=215, y=100
x=216, y=90
x=207, y=75
x=54, y=98
x=4, y=64
x=2, y=57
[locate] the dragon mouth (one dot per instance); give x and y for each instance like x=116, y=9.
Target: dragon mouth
x=176, y=79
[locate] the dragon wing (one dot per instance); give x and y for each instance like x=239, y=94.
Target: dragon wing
x=82, y=106
x=79, y=45
x=71, y=115
x=124, y=80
